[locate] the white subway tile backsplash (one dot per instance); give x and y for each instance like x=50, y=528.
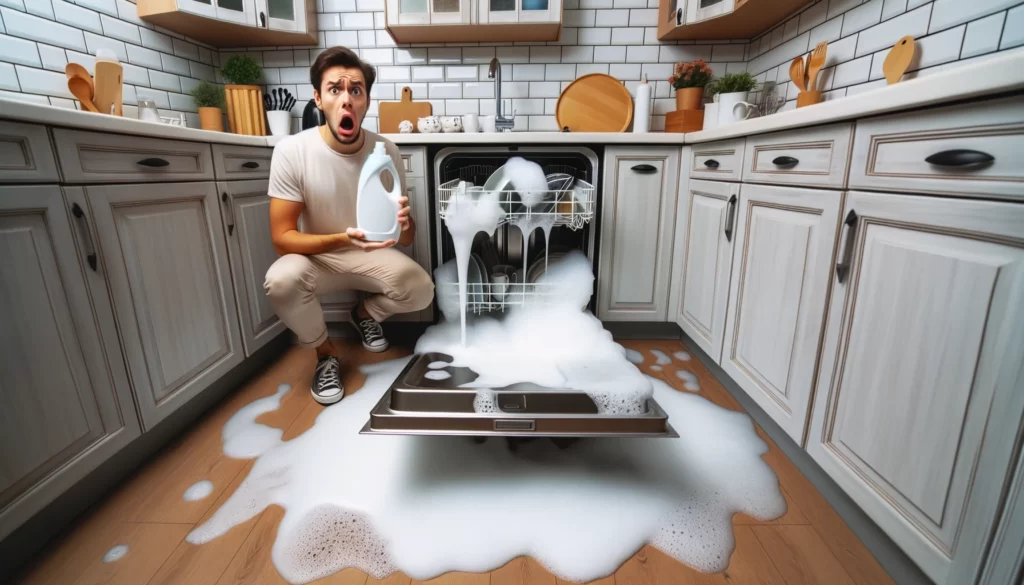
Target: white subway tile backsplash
x=513, y=55
x=611, y=18
x=328, y=21
x=863, y=87
x=651, y=36
x=410, y=56
x=444, y=56
x=791, y=29
x=42, y=82
x=545, y=89
x=543, y=124
x=155, y=40
x=624, y=71
x=159, y=97
x=549, y=106
x=588, y=68
x=377, y=56
x=684, y=53
x=428, y=73
x=294, y=75
x=657, y=71
x=393, y=73
x=174, y=64
x=551, y=54
x=144, y=57
x=939, y=48
x=642, y=54
x=838, y=52
x=852, y=72
x=94, y=42
x=346, y=38
x=120, y=29
x=595, y=36
x=357, y=21
x=914, y=23
x=1013, y=30
x=627, y=36
x=19, y=51
x=515, y=89
x=53, y=58
x=479, y=90
x=893, y=8
x=477, y=54
x=278, y=59
x=983, y=36
x=528, y=106
x=577, y=54
x=40, y=8
x=369, y=5
x=378, y=20
x=563, y=72
x=441, y=91
x=461, y=107
x=837, y=7
x=778, y=36
x=105, y=6
x=578, y=18
x=631, y=4
x=643, y=17
x=862, y=17
x=201, y=71
x=726, y=53
x=610, y=54
x=461, y=73
x=8, y=78
x=813, y=16
x=161, y=80
x=528, y=72
x=182, y=102
x=597, y=3
x=947, y=13
x=785, y=52
x=76, y=16
x=185, y=49
x=26, y=26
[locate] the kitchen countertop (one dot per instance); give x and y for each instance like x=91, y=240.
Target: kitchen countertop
x=996, y=75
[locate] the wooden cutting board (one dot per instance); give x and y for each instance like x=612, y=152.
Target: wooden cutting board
x=595, y=103
x=391, y=114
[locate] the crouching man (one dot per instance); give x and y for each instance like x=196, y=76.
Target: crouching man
x=313, y=176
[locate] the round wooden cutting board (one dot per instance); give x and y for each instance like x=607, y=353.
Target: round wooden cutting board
x=595, y=103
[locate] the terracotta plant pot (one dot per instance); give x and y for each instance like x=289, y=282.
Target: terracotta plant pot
x=689, y=98
x=245, y=109
x=211, y=119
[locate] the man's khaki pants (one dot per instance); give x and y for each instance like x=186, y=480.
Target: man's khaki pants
x=294, y=282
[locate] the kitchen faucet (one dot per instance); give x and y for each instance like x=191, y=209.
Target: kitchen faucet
x=501, y=124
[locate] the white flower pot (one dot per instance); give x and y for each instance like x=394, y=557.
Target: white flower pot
x=280, y=122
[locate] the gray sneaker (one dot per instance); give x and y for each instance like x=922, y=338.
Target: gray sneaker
x=370, y=332
x=327, y=388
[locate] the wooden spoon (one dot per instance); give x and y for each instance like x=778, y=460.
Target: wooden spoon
x=898, y=60
x=76, y=70
x=796, y=72
x=81, y=88
x=817, y=61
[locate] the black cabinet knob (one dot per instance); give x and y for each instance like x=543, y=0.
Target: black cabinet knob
x=251, y=165
x=959, y=158
x=153, y=162
x=711, y=163
x=645, y=168
x=785, y=161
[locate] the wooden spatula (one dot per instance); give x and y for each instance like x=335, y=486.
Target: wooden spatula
x=817, y=61
x=898, y=59
x=796, y=73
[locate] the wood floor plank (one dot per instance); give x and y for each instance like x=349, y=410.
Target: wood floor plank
x=458, y=578
x=650, y=566
x=393, y=579
x=79, y=559
x=606, y=581
x=748, y=565
x=793, y=515
x=205, y=564
x=252, y=564
x=343, y=577
x=800, y=555
x=522, y=571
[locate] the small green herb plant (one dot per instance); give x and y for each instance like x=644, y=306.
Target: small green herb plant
x=242, y=70
x=732, y=83
x=208, y=95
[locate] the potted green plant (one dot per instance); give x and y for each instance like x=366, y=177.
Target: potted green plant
x=244, y=97
x=732, y=90
x=209, y=98
x=689, y=80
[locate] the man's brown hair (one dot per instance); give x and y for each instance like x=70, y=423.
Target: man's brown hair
x=344, y=57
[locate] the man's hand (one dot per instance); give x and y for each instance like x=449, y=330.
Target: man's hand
x=403, y=212
x=356, y=237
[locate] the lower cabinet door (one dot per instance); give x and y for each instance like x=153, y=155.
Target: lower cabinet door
x=246, y=211
x=64, y=409
x=164, y=247
x=419, y=250
x=920, y=396
x=708, y=237
x=781, y=270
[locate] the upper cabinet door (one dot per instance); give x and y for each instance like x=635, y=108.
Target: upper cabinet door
x=698, y=10
x=708, y=232
x=919, y=404
x=246, y=211
x=429, y=11
x=201, y=7
x=240, y=11
x=64, y=409
x=497, y=11
x=778, y=291
x=638, y=208
x=163, y=246
x=289, y=15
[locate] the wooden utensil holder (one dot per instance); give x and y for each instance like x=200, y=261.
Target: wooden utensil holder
x=245, y=109
x=808, y=98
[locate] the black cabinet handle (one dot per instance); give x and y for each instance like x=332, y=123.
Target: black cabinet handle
x=679, y=17
x=230, y=212
x=785, y=161
x=730, y=216
x=251, y=165
x=263, y=20
x=959, y=158
x=645, y=169
x=90, y=251
x=153, y=162
x=711, y=163
x=843, y=266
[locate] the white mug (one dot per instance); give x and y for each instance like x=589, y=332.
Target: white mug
x=733, y=107
x=470, y=123
x=499, y=286
x=487, y=124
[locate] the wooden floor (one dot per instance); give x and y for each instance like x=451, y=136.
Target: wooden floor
x=809, y=545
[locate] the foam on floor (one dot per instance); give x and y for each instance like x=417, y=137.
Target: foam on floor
x=657, y=368
x=661, y=357
x=198, y=491
x=634, y=356
x=243, y=437
x=681, y=356
x=690, y=381
x=116, y=553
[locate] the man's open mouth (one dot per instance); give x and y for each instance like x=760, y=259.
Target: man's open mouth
x=347, y=126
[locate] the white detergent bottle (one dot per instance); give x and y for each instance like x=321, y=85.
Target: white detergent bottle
x=377, y=208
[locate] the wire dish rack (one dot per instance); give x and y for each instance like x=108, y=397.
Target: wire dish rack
x=572, y=206
x=491, y=297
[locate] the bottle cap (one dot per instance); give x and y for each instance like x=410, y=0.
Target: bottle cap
x=378, y=148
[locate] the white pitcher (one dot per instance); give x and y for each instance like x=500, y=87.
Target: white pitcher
x=733, y=107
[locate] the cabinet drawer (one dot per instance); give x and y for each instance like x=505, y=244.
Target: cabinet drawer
x=25, y=154
x=413, y=160
x=974, y=149
x=815, y=157
x=717, y=161
x=241, y=162
x=92, y=157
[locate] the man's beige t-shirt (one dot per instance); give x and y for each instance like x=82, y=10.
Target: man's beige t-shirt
x=303, y=168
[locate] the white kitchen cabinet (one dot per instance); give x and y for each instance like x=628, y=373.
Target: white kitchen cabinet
x=704, y=257
x=404, y=12
x=246, y=213
x=66, y=408
x=700, y=10
x=781, y=270
x=164, y=249
x=918, y=409
x=638, y=220
x=238, y=11
x=497, y=11
x=286, y=15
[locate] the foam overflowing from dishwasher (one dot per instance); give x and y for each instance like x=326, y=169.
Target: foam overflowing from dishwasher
x=429, y=505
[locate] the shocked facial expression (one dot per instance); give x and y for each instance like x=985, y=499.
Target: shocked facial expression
x=343, y=98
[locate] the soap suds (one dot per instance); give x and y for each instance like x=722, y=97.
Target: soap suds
x=437, y=365
x=689, y=379
x=198, y=491
x=437, y=375
x=661, y=357
x=243, y=437
x=681, y=356
x=116, y=553
x=656, y=368
x=634, y=356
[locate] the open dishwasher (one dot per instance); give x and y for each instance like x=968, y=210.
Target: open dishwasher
x=418, y=403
